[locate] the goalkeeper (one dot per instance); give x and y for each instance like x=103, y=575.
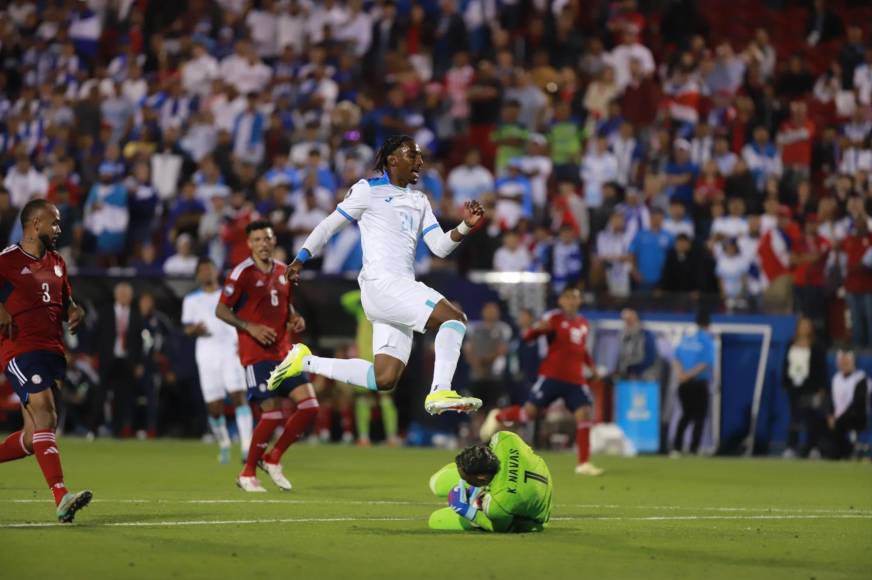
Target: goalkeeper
x=500, y=487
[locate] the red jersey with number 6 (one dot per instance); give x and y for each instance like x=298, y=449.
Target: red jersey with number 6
x=263, y=298
x=567, y=347
x=36, y=292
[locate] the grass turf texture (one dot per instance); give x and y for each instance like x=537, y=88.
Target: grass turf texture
x=361, y=513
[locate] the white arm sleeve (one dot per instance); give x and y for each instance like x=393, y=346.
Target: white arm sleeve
x=350, y=210
x=439, y=242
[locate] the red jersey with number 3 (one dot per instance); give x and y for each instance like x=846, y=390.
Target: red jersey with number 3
x=36, y=292
x=567, y=347
x=263, y=298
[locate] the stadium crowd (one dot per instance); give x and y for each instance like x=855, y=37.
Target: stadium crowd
x=642, y=149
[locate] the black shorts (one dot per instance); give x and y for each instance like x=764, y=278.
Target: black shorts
x=34, y=372
x=546, y=391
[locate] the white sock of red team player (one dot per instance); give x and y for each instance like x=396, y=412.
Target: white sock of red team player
x=354, y=371
x=449, y=338
x=245, y=425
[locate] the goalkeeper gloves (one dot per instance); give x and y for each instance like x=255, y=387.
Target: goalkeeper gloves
x=464, y=501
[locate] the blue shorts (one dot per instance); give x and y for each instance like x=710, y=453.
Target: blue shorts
x=257, y=374
x=34, y=372
x=546, y=391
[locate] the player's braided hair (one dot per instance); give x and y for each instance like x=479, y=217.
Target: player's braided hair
x=477, y=460
x=390, y=145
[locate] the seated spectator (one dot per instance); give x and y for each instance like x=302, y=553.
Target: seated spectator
x=470, y=180
x=637, y=350
x=848, y=406
x=649, y=247
x=184, y=261
x=613, y=261
x=512, y=256
x=805, y=382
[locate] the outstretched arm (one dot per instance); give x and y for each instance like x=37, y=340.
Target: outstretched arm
x=443, y=243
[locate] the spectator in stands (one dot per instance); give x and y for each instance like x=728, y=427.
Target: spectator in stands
x=640, y=97
x=731, y=268
x=678, y=222
x=774, y=254
x=565, y=137
x=184, y=261
x=805, y=382
x=537, y=166
x=849, y=406
x=599, y=166
x=795, y=139
x=762, y=157
x=525, y=357
x=631, y=49
x=107, y=215
x=857, y=248
x=693, y=366
x=484, y=350
x=119, y=346
x=512, y=256
x=514, y=197
x=305, y=217
x=649, y=247
x=734, y=225
x=637, y=350
x=613, y=261
x=510, y=136
x=809, y=256
x=565, y=260
x=8, y=216
x=636, y=214
x=24, y=181
x=685, y=270
x=471, y=180
x=681, y=173
x=600, y=93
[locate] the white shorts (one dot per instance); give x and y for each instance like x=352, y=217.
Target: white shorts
x=397, y=307
x=220, y=374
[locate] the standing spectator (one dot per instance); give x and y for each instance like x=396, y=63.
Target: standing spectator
x=566, y=260
x=805, y=381
x=248, y=133
x=450, y=37
x=512, y=256
x=184, y=261
x=119, y=346
x=514, y=197
x=565, y=137
x=485, y=350
x=857, y=248
x=795, y=139
x=156, y=331
x=613, y=260
x=649, y=248
x=809, y=258
x=631, y=49
x=681, y=173
x=849, y=395
x=8, y=216
x=24, y=182
x=107, y=215
x=637, y=350
x=678, y=222
x=200, y=71
x=537, y=166
x=731, y=268
x=471, y=180
x=762, y=157
x=774, y=253
x=457, y=81
x=640, y=97
x=600, y=93
x=686, y=269
x=510, y=137
x=305, y=218
x=599, y=166
x=693, y=366
x=143, y=204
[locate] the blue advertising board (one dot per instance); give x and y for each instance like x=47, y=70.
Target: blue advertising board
x=637, y=413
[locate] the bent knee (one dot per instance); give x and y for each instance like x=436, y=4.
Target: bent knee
x=387, y=380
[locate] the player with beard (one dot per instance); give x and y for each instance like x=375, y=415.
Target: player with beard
x=35, y=301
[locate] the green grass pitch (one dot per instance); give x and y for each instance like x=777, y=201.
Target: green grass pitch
x=166, y=509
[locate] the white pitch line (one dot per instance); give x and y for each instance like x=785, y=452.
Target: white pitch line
x=387, y=519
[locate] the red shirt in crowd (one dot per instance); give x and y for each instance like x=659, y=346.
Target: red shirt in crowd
x=795, y=140
x=567, y=347
x=811, y=273
x=858, y=279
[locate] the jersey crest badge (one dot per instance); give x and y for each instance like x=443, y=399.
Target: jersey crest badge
x=36, y=379
x=228, y=290
x=283, y=280
x=59, y=272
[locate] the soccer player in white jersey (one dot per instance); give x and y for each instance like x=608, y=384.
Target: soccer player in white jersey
x=217, y=360
x=392, y=216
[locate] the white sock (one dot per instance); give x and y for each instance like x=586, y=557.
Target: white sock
x=219, y=430
x=245, y=425
x=447, y=346
x=354, y=371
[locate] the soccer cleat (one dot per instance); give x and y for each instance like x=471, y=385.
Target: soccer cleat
x=250, y=484
x=441, y=401
x=291, y=366
x=274, y=470
x=490, y=426
x=71, y=503
x=588, y=469
x=223, y=455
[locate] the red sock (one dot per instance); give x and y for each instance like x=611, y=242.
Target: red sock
x=582, y=441
x=297, y=424
x=347, y=420
x=513, y=414
x=13, y=447
x=45, y=448
x=269, y=420
x=325, y=419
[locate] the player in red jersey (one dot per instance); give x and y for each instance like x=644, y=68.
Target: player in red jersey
x=561, y=376
x=257, y=301
x=35, y=300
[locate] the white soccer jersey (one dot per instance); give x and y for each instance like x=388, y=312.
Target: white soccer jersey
x=199, y=307
x=391, y=220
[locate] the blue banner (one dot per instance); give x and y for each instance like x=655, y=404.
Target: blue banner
x=637, y=411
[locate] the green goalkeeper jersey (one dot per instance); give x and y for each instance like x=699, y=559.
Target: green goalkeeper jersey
x=519, y=496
